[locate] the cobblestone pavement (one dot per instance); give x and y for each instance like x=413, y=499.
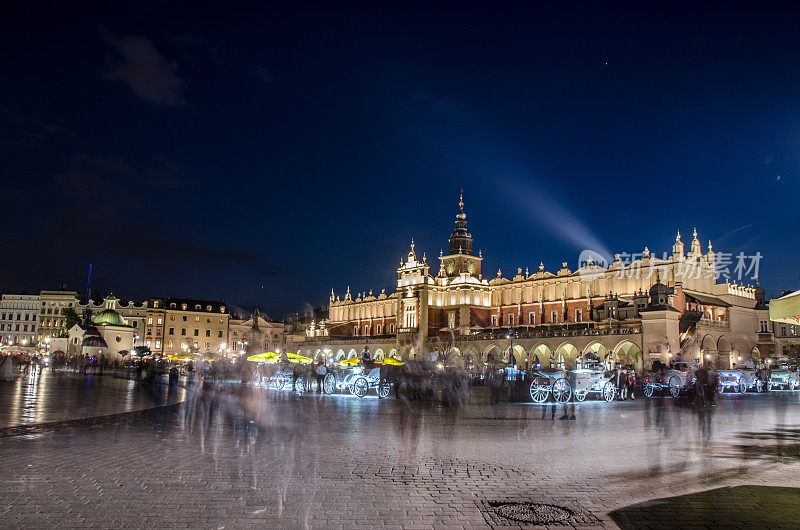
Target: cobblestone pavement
x=249, y=458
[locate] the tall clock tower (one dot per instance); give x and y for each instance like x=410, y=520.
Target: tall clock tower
x=460, y=257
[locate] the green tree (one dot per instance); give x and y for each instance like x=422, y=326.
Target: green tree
x=72, y=317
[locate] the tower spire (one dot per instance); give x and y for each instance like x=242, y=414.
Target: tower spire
x=461, y=201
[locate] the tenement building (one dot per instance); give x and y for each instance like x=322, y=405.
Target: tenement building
x=633, y=312
x=19, y=319
x=253, y=335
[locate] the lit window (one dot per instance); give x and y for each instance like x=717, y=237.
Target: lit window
x=149, y=321
x=158, y=344
x=160, y=321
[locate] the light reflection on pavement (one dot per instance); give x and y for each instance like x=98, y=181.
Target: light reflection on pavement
x=42, y=397
x=235, y=457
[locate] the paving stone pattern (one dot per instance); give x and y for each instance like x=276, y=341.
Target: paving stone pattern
x=243, y=458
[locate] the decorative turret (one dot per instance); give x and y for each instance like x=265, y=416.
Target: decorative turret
x=659, y=293
x=461, y=239
x=460, y=256
x=677, y=248
x=697, y=249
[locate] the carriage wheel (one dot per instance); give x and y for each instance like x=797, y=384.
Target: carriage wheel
x=609, y=391
x=383, y=388
x=794, y=385
x=770, y=386
x=539, y=391
x=314, y=385
x=562, y=390
x=648, y=390
x=580, y=395
x=742, y=386
x=300, y=385
x=279, y=381
x=329, y=383
x=623, y=393
x=674, y=386
x=360, y=387
x=759, y=385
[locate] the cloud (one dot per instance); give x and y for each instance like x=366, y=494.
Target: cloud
x=149, y=74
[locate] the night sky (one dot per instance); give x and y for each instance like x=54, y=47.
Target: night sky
x=266, y=155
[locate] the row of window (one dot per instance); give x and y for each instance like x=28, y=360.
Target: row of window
x=197, y=307
x=170, y=344
x=532, y=318
x=16, y=327
x=160, y=320
x=19, y=305
x=196, y=332
x=365, y=330
x=29, y=316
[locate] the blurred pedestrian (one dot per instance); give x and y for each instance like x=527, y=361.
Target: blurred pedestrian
x=320, y=374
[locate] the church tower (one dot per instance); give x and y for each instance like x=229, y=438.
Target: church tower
x=460, y=257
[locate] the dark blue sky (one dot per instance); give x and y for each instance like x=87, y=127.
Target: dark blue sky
x=266, y=154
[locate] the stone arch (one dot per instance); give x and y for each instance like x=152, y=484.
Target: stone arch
x=316, y=354
x=520, y=357
x=412, y=353
x=566, y=355
x=494, y=351
x=352, y=353
x=378, y=354
x=627, y=352
x=541, y=354
x=708, y=344
x=598, y=349
x=393, y=353
x=339, y=354
x=471, y=355
x=724, y=353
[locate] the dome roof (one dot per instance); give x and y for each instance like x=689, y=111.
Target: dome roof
x=93, y=339
x=108, y=317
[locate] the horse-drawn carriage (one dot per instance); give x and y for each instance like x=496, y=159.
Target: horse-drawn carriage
x=741, y=378
x=550, y=382
x=355, y=379
x=783, y=375
x=595, y=379
x=679, y=376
